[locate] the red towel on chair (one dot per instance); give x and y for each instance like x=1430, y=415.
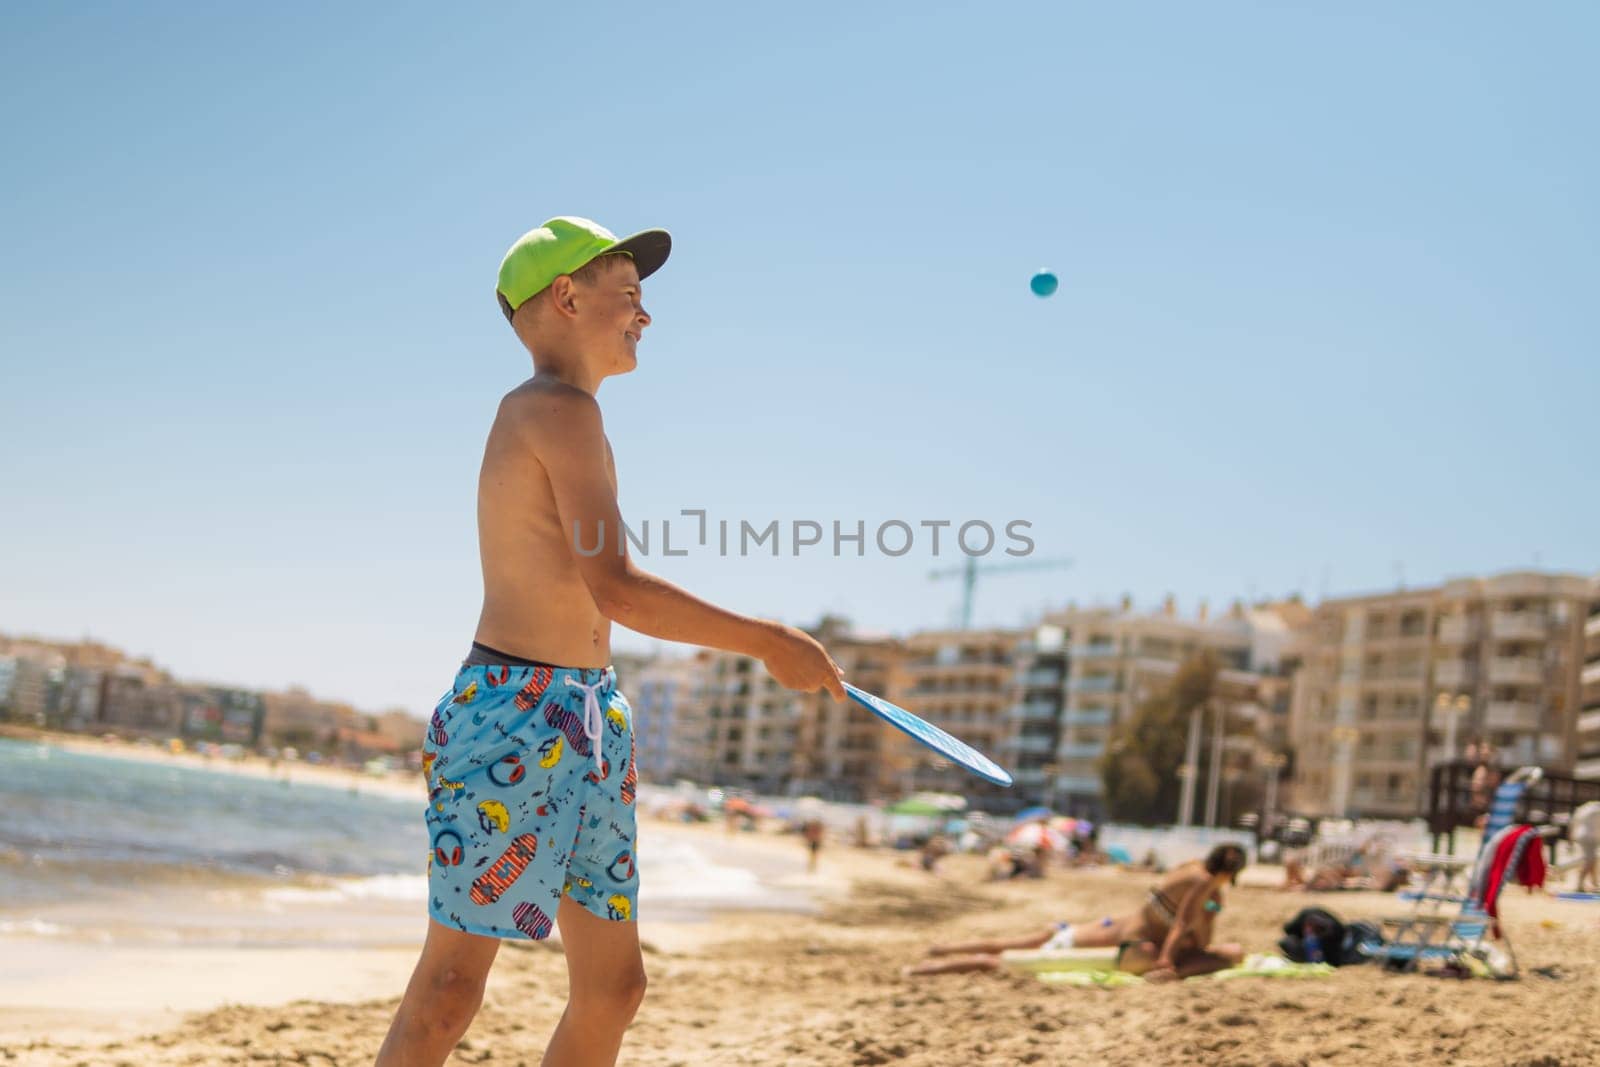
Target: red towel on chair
x=1530, y=872
x=1521, y=855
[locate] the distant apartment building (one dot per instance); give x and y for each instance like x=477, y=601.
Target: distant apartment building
x=1083, y=671
x=59, y=684
x=1397, y=682
x=661, y=691
x=1037, y=706
x=842, y=751
x=742, y=730
x=77, y=706
x=221, y=713
x=962, y=681
x=29, y=681
x=296, y=719
x=737, y=727
x=8, y=681
x=1587, y=727
x=138, y=701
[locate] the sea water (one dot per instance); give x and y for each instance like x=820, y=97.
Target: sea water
x=114, y=849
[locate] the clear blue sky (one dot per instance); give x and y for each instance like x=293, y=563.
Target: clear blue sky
x=1327, y=302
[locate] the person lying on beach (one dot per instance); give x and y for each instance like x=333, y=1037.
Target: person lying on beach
x=1168, y=937
x=1367, y=870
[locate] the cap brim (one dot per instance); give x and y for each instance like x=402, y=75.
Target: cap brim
x=649, y=249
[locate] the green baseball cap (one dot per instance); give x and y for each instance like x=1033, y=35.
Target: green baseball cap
x=563, y=245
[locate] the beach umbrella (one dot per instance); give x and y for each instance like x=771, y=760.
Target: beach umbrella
x=1027, y=814
x=1065, y=824
x=1037, y=835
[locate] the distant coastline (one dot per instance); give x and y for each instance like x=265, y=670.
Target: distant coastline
x=399, y=786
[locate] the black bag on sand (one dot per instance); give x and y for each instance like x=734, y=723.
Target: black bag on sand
x=1361, y=940
x=1342, y=945
x=1327, y=928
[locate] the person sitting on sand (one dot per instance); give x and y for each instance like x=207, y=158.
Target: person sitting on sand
x=1168, y=937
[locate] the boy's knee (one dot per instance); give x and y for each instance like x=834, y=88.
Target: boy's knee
x=618, y=998
x=452, y=999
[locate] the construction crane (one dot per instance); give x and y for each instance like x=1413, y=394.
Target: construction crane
x=969, y=570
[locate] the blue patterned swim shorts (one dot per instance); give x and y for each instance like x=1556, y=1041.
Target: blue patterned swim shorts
x=531, y=785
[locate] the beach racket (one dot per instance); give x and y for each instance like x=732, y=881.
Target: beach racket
x=951, y=748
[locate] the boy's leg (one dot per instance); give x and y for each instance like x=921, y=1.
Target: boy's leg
x=605, y=975
x=442, y=997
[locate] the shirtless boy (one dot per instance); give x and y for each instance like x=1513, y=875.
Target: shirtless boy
x=529, y=756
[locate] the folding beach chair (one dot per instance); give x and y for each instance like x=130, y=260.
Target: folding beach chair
x=1448, y=921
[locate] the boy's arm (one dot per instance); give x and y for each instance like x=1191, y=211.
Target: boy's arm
x=565, y=431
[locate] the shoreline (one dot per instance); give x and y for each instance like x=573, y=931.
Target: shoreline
x=179, y=955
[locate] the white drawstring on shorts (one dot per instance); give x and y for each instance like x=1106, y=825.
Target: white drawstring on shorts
x=594, y=722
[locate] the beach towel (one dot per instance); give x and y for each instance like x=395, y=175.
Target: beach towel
x=1519, y=856
x=1478, y=883
x=1102, y=979
x=1256, y=965
x=1262, y=965
x=1056, y=961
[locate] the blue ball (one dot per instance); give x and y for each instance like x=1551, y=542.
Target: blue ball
x=1043, y=284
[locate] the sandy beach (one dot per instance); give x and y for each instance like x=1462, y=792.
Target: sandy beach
x=770, y=990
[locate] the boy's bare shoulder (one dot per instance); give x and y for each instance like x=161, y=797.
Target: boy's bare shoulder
x=544, y=408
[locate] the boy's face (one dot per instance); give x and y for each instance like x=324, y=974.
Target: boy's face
x=611, y=317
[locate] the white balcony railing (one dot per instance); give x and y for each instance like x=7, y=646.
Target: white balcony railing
x=1451, y=674
x=1095, y=683
x=1035, y=711
x=1088, y=716
x=1458, y=631
x=1589, y=722
x=1516, y=670
x=1591, y=673
x=1032, y=743
x=1516, y=625
x=1591, y=626
x=1511, y=715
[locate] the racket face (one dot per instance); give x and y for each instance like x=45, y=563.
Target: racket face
x=951, y=748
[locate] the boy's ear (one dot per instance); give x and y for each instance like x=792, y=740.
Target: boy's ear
x=563, y=293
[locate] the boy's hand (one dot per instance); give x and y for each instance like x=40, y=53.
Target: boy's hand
x=797, y=661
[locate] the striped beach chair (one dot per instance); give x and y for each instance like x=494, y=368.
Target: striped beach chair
x=1448, y=922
